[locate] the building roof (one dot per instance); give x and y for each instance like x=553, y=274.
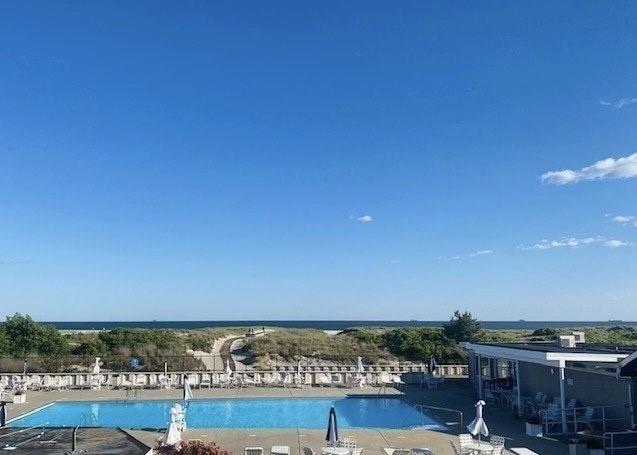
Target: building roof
x=551, y=354
x=593, y=348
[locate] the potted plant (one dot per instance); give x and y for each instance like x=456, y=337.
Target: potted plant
x=20, y=396
x=533, y=426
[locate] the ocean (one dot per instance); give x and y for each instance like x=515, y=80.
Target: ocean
x=324, y=325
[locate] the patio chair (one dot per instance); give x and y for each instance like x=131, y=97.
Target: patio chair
x=348, y=443
x=401, y=452
x=308, y=451
x=205, y=381
x=465, y=439
x=123, y=382
x=497, y=450
x=497, y=441
x=280, y=450
x=164, y=381
x=253, y=451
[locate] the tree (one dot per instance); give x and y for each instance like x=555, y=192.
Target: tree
x=462, y=327
x=24, y=336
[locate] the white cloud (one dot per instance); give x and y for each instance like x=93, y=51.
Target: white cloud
x=471, y=255
x=620, y=103
x=480, y=253
x=616, y=243
x=568, y=242
x=626, y=220
x=623, y=219
x=572, y=242
x=609, y=168
x=365, y=219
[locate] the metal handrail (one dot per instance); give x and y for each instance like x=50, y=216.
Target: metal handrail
x=422, y=407
x=611, y=435
x=574, y=418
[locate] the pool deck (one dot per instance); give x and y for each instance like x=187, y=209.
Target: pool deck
x=452, y=394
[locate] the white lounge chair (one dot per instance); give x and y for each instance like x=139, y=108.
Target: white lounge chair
x=123, y=382
x=205, y=380
x=280, y=450
x=253, y=451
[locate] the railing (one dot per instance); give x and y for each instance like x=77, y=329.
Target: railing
x=593, y=418
x=620, y=442
x=456, y=412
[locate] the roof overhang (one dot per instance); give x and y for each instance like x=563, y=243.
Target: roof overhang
x=552, y=359
x=628, y=366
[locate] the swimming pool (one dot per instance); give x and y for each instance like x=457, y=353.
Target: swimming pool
x=352, y=412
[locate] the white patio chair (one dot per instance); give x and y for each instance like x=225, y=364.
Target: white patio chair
x=465, y=440
x=123, y=382
x=348, y=443
x=496, y=441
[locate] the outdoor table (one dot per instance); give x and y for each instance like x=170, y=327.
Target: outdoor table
x=280, y=450
x=480, y=446
x=335, y=451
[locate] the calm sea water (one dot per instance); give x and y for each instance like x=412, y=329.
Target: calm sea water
x=325, y=325
x=352, y=412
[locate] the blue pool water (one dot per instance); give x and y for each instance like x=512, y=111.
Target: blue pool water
x=352, y=412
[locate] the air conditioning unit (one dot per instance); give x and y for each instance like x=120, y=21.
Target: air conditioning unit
x=567, y=341
x=579, y=337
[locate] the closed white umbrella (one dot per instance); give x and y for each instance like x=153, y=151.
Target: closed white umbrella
x=187, y=389
x=96, y=366
x=228, y=370
x=360, y=371
x=173, y=434
x=332, y=428
x=478, y=426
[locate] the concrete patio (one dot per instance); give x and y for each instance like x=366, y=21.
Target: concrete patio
x=454, y=394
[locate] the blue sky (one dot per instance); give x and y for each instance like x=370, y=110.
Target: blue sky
x=288, y=160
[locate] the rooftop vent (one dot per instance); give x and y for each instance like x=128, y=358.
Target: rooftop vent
x=567, y=341
x=579, y=337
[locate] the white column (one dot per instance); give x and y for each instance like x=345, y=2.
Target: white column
x=563, y=397
x=517, y=383
x=479, y=376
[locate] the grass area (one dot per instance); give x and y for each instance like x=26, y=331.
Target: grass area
x=294, y=345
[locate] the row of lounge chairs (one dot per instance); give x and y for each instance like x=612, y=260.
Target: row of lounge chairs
x=201, y=380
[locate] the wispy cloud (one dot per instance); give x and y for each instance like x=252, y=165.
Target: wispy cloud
x=471, y=255
x=480, y=253
x=629, y=220
x=610, y=168
x=365, y=218
x=613, y=243
x=619, y=103
x=574, y=242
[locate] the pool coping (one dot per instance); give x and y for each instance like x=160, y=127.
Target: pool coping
x=441, y=427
